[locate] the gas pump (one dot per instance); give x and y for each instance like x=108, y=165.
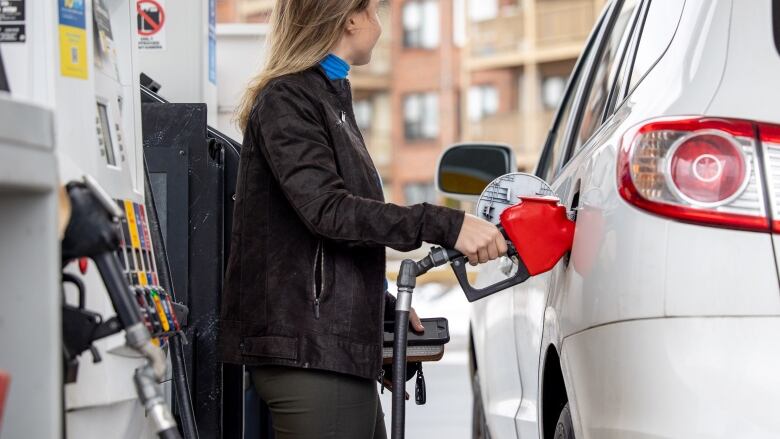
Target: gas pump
x=193, y=170
x=79, y=59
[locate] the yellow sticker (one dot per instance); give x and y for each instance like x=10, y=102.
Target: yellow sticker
x=73, y=52
x=73, y=38
x=132, y=225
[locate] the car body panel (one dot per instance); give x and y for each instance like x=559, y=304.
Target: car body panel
x=496, y=352
x=712, y=272
x=753, y=64
x=673, y=378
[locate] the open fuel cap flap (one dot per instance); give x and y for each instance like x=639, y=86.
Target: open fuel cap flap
x=506, y=191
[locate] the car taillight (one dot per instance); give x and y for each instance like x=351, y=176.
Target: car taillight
x=770, y=141
x=699, y=170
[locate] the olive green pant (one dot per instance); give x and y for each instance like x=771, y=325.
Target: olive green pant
x=314, y=404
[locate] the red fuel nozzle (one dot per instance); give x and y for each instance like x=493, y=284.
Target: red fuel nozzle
x=540, y=231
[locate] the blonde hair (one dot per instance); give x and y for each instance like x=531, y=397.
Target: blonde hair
x=302, y=34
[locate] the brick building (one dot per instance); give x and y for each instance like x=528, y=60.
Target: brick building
x=447, y=71
x=425, y=93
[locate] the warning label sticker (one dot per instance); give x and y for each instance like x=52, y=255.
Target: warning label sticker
x=12, y=33
x=11, y=10
x=12, y=26
x=150, y=24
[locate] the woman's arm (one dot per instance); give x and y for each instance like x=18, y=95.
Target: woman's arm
x=296, y=145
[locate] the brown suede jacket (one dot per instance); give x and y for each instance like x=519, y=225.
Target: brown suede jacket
x=305, y=279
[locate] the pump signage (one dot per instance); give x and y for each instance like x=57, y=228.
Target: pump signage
x=73, y=39
x=150, y=24
x=12, y=26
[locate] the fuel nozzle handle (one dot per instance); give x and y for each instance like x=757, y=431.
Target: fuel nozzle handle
x=473, y=294
x=440, y=256
x=93, y=232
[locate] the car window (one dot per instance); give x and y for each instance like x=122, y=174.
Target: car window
x=550, y=160
x=554, y=151
x=592, y=113
x=656, y=33
x=617, y=95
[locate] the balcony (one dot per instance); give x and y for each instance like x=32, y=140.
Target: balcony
x=562, y=23
x=500, y=128
x=504, y=34
x=525, y=133
x=561, y=28
x=499, y=40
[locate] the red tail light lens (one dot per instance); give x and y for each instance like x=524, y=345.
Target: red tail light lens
x=701, y=170
x=707, y=168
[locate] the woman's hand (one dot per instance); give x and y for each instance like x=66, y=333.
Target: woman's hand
x=480, y=241
x=414, y=320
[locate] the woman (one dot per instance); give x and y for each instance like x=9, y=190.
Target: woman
x=305, y=295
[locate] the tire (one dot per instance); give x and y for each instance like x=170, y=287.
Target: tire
x=564, y=429
x=479, y=429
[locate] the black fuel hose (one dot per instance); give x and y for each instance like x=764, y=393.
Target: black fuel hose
x=116, y=285
x=182, y=389
x=399, y=374
x=407, y=280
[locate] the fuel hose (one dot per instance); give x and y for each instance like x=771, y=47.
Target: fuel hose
x=407, y=280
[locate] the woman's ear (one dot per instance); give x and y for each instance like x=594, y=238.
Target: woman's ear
x=352, y=24
x=357, y=21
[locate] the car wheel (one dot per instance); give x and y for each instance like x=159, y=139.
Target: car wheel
x=479, y=428
x=564, y=428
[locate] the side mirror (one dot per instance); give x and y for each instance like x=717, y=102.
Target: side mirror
x=466, y=169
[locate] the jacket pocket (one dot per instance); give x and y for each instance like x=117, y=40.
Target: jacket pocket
x=318, y=277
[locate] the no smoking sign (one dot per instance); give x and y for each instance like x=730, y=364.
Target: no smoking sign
x=150, y=24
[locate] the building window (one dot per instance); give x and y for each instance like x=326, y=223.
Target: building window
x=421, y=24
x=421, y=116
x=364, y=113
x=483, y=102
x=416, y=193
x=459, y=22
x=481, y=10
x=553, y=88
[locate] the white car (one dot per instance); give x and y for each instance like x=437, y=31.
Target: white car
x=664, y=320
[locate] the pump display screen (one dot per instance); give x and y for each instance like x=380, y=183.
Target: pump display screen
x=104, y=134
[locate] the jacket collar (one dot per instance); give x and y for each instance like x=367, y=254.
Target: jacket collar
x=338, y=87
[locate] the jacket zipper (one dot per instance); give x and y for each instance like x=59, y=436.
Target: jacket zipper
x=319, y=260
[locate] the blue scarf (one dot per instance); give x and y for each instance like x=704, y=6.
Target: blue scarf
x=335, y=67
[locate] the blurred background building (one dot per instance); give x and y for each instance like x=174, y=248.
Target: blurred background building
x=448, y=71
